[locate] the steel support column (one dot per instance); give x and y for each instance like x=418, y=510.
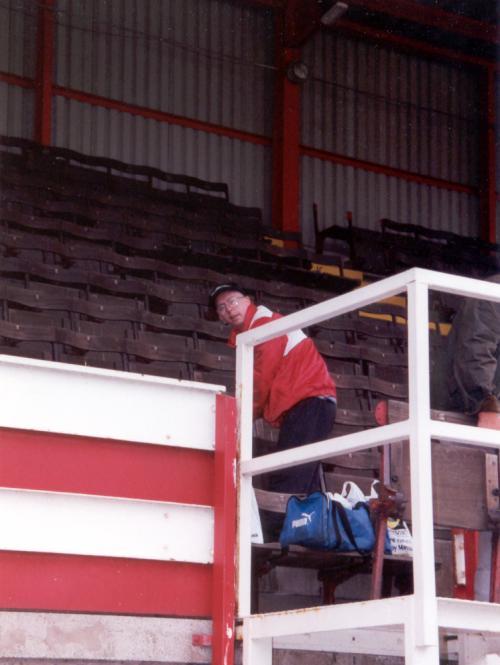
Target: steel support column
x=44, y=73
x=286, y=140
x=423, y=640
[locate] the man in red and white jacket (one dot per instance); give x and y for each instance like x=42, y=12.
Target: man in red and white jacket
x=292, y=387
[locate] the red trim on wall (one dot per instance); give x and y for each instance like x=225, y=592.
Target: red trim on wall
x=224, y=568
x=387, y=170
x=64, y=583
x=63, y=463
x=44, y=79
x=161, y=116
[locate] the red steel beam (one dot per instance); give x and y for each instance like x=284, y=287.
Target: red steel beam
x=14, y=79
x=286, y=139
x=44, y=73
x=432, y=16
x=413, y=11
x=387, y=170
x=160, y=116
x=302, y=19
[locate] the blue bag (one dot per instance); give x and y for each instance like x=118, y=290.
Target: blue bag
x=355, y=528
x=320, y=522
x=309, y=522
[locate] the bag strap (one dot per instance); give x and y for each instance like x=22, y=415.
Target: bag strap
x=322, y=482
x=341, y=512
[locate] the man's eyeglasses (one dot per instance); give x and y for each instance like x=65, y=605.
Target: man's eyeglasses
x=230, y=302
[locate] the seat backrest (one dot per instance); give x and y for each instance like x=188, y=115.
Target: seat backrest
x=462, y=476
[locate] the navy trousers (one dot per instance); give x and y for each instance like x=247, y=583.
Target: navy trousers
x=308, y=421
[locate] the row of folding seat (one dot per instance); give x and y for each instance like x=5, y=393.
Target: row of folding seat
x=116, y=247
x=219, y=254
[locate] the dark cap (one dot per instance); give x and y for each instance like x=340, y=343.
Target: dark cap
x=222, y=288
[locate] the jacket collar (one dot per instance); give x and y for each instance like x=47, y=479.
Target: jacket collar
x=250, y=313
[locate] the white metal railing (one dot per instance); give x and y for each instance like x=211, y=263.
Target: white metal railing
x=422, y=614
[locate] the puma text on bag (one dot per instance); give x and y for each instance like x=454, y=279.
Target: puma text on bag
x=308, y=522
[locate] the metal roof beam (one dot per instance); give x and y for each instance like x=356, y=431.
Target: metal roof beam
x=409, y=44
x=415, y=12
x=276, y=5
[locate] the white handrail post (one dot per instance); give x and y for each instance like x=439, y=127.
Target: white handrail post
x=256, y=651
x=244, y=393
x=424, y=631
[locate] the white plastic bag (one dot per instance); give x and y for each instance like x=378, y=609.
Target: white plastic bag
x=257, y=535
x=351, y=494
x=341, y=499
x=373, y=491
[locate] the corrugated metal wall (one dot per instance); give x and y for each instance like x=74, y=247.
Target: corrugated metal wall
x=337, y=189
x=378, y=105
x=193, y=58
x=497, y=108
x=245, y=166
x=17, y=56
x=17, y=37
x=16, y=111
x=212, y=60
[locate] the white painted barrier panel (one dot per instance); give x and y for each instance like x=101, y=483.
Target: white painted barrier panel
x=34, y=521
x=69, y=399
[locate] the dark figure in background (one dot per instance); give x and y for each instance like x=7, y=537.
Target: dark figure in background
x=292, y=390
x=474, y=347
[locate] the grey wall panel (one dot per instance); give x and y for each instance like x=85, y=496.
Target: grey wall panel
x=373, y=103
x=17, y=37
x=497, y=137
x=202, y=59
x=245, y=167
x=16, y=111
x=370, y=196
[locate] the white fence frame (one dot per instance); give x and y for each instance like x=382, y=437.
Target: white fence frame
x=422, y=614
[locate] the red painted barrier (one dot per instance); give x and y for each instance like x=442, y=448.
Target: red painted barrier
x=67, y=468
